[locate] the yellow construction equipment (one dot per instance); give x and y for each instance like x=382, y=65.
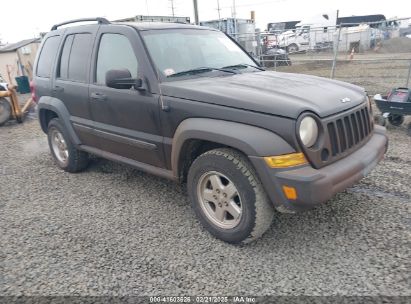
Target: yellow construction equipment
x=10, y=108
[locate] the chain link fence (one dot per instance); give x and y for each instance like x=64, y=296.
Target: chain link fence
x=374, y=55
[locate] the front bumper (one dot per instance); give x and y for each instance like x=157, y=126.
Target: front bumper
x=315, y=186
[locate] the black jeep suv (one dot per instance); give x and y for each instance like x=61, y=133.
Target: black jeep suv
x=189, y=104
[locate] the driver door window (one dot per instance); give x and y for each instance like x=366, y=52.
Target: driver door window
x=115, y=52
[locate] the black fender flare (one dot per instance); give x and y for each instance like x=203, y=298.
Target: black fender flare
x=251, y=140
x=58, y=107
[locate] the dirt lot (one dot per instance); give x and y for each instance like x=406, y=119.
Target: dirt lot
x=112, y=230
x=377, y=77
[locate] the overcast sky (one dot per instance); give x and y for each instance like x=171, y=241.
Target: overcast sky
x=26, y=18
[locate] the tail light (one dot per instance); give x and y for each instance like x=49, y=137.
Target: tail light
x=33, y=91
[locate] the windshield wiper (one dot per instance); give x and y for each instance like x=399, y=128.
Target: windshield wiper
x=200, y=70
x=243, y=66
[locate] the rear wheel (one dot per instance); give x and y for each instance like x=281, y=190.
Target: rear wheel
x=5, y=111
x=65, y=154
x=395, y=119
x=228, y=197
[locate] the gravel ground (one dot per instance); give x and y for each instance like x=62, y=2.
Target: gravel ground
x=112, y=230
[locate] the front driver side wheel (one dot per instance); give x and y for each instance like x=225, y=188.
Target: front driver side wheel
x=228, y=197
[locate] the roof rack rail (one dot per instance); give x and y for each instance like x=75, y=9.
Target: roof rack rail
x=100, y=20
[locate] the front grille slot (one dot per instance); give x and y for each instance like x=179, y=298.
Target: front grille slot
x=333, y=139
x=348, y=128
x=360, y=125
x=355, y=128
x=341, y=136
x=364, y=119
x=367, y=118
x=348, y=131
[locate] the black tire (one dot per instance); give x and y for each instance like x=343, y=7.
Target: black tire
x=409, y=129
x=77, y=160
x=396, y=120
x=380, y=120
x=19, y=119
x=292, y=48
x=256, y=210
x=5, y=111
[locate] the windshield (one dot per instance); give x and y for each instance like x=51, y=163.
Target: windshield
x=176, y=51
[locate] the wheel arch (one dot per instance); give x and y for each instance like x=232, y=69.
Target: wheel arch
x=45, y=115
x=49, y=108
x=195, y=136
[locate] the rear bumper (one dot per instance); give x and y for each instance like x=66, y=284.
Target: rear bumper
x=315, y=186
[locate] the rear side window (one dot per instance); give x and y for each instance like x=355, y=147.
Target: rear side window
x=65, y=55
x=47, y=56
x=115, y=52
x=74, y=60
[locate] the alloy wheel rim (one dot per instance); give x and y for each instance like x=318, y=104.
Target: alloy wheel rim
x=219, y=200
x=59, y=146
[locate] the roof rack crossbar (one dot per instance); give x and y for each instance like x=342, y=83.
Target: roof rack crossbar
x=100, y=20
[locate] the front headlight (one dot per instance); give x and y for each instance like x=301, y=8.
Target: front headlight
x=308, y=131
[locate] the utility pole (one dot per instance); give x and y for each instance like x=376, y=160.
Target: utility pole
x=336, y=46
x=196, y=12
x=235, y=19
x=234, y=12
x=218, y=9
x=172, y=7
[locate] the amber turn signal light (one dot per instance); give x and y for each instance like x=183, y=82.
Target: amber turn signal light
x=290, y=192
x=286, y=160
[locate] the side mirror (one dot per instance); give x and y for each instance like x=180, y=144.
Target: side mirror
x=121, y=79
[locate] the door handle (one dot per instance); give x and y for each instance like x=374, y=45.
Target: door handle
x=98, y=96
x=58, y=89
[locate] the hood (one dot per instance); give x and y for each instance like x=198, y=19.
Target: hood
x=282, y=94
